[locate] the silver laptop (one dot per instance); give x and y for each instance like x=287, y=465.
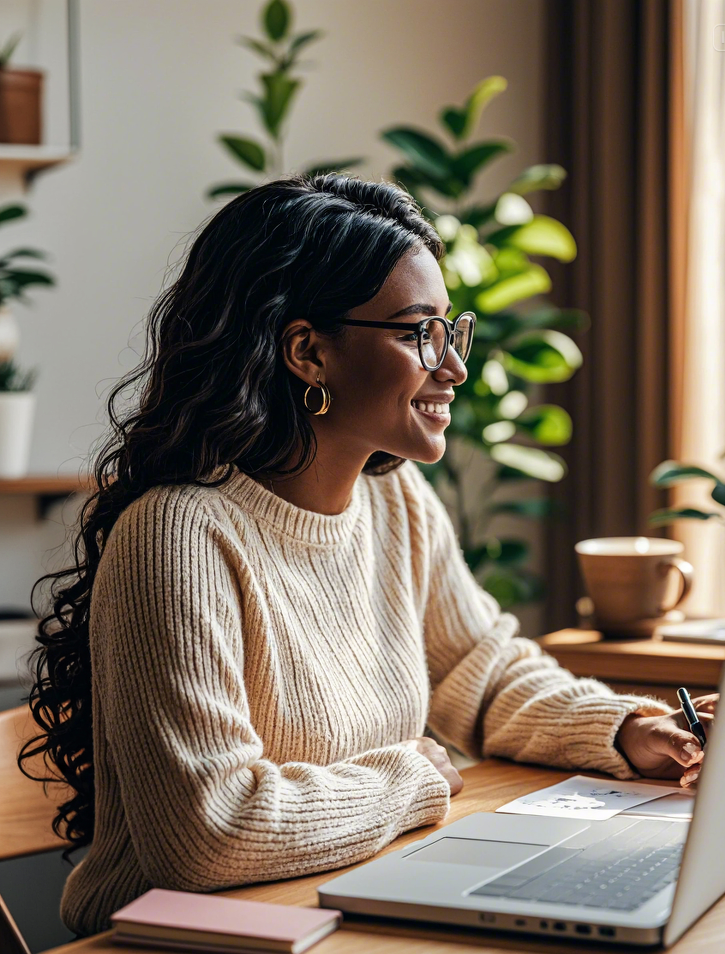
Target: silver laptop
x=625, y=880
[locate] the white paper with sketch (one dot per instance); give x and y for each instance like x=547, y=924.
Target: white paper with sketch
x=590, y=798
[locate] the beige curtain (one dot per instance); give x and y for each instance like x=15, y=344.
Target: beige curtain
x=697, y=282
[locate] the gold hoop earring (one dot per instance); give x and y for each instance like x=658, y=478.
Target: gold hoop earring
x=326, y=398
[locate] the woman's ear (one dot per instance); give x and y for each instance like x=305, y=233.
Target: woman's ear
x=302, y=351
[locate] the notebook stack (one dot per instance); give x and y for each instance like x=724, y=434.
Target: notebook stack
x=186, y=921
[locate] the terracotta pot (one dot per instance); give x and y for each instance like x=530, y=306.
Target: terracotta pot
x=20, y=101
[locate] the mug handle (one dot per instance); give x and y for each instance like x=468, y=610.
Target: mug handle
x=687, y=575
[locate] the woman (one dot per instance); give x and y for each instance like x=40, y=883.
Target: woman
x=273, y=603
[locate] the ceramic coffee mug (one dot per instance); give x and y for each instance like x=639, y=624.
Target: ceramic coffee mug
x=629, y=581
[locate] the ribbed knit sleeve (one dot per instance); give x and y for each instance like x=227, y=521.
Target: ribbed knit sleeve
x=205, y=808
x=495, y=693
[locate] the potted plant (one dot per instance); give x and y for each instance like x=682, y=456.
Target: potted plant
x=20, y=99
x=17, y=402
x=519, y=345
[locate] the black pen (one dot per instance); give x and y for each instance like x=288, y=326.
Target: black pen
x=691, y=716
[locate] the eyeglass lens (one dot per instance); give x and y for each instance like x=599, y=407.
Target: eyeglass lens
x=433, y=341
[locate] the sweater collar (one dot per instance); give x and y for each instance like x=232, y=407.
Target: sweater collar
x=305, y=525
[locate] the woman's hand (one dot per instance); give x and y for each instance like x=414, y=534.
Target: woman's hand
x=663, y=746
x=437, y=755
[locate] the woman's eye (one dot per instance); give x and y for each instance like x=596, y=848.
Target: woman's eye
x=413, y=336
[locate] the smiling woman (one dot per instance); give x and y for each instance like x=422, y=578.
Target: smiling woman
x=235, y=679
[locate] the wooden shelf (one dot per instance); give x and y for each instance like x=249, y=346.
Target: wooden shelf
x=47, y=488
x=27, y=161
x=640, y=665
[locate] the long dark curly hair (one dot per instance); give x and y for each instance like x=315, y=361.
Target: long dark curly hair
x=217, y=393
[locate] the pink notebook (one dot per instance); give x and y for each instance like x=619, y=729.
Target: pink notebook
x=185, y=920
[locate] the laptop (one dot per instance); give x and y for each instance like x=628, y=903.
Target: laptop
x=624, y=880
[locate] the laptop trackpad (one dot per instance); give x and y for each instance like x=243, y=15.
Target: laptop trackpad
x=476, y=851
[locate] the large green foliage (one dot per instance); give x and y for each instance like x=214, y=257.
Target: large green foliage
x=488, y=269
x=280, y=50
x=671, y=472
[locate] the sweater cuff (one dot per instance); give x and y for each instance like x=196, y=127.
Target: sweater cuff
x=604, y=718
x=433, y=797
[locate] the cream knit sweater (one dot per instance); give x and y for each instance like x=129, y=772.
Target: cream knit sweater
x=256, y=667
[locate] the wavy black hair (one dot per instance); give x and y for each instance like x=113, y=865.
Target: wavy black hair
x=217, y=393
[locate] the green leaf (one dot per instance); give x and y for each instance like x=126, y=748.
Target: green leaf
x=230, y=188
x=333, y=165
x=461, y=122
x=472, y=160
x=513, y=209
x=507, y=551
x=549, y=176
x=302, y=39
x=9, y=212
x=546, y=423
x=246, y=151
x=454, y=119
x=558, y=319
x=671, y=472
x=541, y=236
x=21, y=253
x=475, y=557
x=662, y=517
x=27, y=252
x=279, y=90
x=534, y=281
x=478, y=215
x=9, y=48
x=536, y=507
x=511, y=586
x=718, y=493
x=542, y=357
x=509, y=474
x=425, y=153
x=258, y=47
x=537, y=463
x=22, y=278
x=276, y=19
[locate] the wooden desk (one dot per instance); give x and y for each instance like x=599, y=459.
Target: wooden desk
x=487, y=786
x=648, y=666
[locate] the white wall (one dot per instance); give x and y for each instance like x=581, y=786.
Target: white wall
x=159, y=80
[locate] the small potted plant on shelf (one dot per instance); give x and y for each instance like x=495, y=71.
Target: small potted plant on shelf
x=20, y=99
x=17, y=401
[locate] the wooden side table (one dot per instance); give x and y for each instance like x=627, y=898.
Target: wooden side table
x=642, y=666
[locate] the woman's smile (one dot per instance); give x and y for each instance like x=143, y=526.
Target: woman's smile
x=434, y=410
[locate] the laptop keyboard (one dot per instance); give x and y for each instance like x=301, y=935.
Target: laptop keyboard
x=620, y=873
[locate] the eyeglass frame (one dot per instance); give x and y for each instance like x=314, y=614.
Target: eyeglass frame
x=419, y=326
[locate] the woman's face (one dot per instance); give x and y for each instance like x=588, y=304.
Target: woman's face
x=375, y=374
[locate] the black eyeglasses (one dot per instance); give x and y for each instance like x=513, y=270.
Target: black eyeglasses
x=434, y=335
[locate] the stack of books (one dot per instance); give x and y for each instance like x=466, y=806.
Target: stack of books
x=186, y=921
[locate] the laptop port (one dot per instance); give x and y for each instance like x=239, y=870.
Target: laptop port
x=582, y=929
x=559, y=926
x=544, y=925
x=607, y=932
x=520, y=922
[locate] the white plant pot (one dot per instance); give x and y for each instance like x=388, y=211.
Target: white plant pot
x=17, y=411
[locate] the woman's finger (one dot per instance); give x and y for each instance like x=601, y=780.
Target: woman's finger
x=690, y=776
x=708, y=702
x=679, y=744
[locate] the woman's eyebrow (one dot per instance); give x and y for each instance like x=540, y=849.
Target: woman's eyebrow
x=418, y=309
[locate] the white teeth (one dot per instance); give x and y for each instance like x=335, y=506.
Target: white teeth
x=431, y=408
